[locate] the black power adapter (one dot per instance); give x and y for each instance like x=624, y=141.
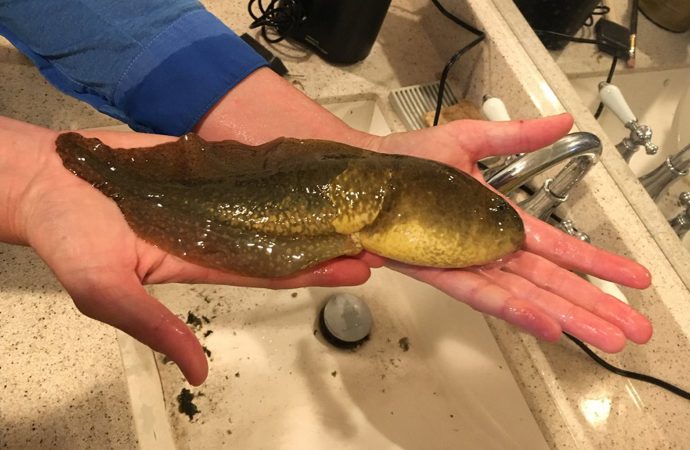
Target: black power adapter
x=613, y=39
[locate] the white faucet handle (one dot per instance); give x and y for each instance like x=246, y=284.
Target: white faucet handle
x=494, y=109
x=613, y=98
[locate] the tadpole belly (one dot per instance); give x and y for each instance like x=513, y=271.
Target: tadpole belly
x=289, y=204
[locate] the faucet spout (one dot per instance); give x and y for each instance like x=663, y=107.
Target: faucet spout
x=581, y=149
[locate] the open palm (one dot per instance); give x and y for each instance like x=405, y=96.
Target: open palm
x=83, y=237
x=534, y=288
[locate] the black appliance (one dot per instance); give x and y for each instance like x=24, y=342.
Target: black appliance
x=559, y=16
x=340, y=31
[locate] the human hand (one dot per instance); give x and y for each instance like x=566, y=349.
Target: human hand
x=102, y=264
x=84, y=239
x=533, y=288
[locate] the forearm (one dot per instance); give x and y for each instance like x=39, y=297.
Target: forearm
x=264, y=106
x=157, y=65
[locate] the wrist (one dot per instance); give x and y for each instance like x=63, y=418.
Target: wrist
x=13, y=188
x=23, y=154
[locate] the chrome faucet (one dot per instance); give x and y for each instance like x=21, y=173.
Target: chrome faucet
x=640, y=135
x=581, y=149
x=568, y=226
x=674, y=167
x=681, y=223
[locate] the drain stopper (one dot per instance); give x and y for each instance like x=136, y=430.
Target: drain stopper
x=345, y=320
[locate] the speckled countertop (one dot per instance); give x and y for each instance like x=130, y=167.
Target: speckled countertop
x=644, y=416
x=61, y=374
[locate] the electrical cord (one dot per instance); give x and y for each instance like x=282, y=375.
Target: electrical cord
x=280, y=16
x=567, y=37
x=480, y=36
x=453, y=59
x=632, y=50
x=599, y=10
x=455, y=19
x=629, y=374
x=446, y=71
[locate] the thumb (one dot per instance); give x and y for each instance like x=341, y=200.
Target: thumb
x=121, y=301
x=483, y=138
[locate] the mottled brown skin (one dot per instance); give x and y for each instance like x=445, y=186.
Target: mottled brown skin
x=289, y=204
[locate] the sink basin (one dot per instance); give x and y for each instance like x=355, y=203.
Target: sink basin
x=659, y=99
x=430, y=376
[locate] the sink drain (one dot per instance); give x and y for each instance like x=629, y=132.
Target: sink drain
x=345, y=320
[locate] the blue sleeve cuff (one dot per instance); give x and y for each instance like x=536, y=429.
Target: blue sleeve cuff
x=181, y=74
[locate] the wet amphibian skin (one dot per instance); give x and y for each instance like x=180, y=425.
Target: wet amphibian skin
x=289, y=204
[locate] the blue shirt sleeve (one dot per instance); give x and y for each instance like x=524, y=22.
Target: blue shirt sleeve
x=157, y=65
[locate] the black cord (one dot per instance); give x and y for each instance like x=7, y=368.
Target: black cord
x=566, y=37
x=457, y=20
x=446, y=71
x=281, y=16
x=612, y=69
x=599, y=10
x=453, y=59
x=629, y=374
x=635, y=7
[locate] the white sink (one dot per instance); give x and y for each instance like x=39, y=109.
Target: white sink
x=659, y=99
x=275, y=383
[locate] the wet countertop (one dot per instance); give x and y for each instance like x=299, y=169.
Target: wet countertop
x=61, y=373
